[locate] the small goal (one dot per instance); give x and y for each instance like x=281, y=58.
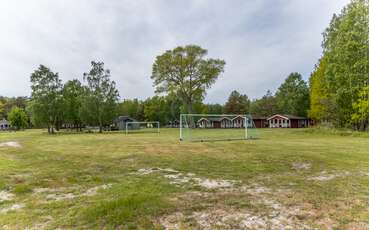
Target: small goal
x=143, y=127
x=213, y=127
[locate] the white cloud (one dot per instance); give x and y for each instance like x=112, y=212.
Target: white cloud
x=262, y=41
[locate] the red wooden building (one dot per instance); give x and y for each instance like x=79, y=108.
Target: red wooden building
x=288, y=121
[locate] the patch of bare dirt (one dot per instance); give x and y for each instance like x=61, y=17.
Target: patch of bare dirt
x=301, y=166
x=13, y=207
x=325, y=176
x=264, y=210
x=178, y=178
x=64, y=193
x=173, y=221
x=146, y=171
x=214, y=184
x=6, y=196
x=93, y=191
x=12, y=144
x=60, y=196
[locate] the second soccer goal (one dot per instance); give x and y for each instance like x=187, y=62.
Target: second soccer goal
x=208, y=127
x=143, y=127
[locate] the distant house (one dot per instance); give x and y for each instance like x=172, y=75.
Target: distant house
x=223, y=122
x=288, y=121
x=120, y=123
x=275, y=121
x=260, y=122
x=4, y=124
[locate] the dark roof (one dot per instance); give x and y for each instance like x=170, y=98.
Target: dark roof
x=294, y=117
x=125, y=118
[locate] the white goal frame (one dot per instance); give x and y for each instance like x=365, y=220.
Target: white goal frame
x=245, y=116
x=142, y=122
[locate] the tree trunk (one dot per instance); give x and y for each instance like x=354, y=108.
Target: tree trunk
x=100, y=126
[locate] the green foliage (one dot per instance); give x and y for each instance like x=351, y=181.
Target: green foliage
x=183, y=71
x=265, y=106
x=321, y=104
x=72, y=96
x=156, y=109
x=213, y=109
x=100, y=98
x=237, y=103
x=293, y=96
x=7, y=103
x=2, y=115
x=361, y=109
x=346, y=49
x=18, y=118
x=133, y=108
x=46, y=96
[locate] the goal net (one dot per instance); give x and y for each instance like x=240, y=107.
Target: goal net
x=211, y=127
x=142, y=127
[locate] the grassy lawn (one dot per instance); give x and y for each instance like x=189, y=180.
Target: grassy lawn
x=297, y=178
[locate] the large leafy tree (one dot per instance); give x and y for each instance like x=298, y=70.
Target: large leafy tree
x=100, y=98
x=321, y=104
x=265, y=106
x=237, y=103
x=18, y=118
x=72, y=97
x=346, y=49
x=293, y=96
x=185, y=72
x=360, y=117
x=46, y=97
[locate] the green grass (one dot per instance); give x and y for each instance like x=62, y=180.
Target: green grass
x=75, y=163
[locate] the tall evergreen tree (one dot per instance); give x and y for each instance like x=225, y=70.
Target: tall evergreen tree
x=293, y=96
x=265, y=106
x=237, y=103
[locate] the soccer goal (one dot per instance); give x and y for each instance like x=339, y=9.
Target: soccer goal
x=213, y=127
x=143, y=127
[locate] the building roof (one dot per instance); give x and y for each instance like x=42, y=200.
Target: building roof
x=3, y=121
x=231, y=118
x=287, y=116
x=214, y=118
x=125, y=118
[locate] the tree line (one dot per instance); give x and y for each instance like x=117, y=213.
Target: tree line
x=73, y=104
x=337, y=91
x=292, y=97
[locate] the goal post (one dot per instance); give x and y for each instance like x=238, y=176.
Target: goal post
x=142, y=127
x=209, y=127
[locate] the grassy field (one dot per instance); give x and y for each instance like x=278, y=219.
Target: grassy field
x=298, y=179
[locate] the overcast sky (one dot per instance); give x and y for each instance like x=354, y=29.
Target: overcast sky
x=262, y=41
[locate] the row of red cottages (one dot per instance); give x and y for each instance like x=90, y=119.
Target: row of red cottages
x=275, y=121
